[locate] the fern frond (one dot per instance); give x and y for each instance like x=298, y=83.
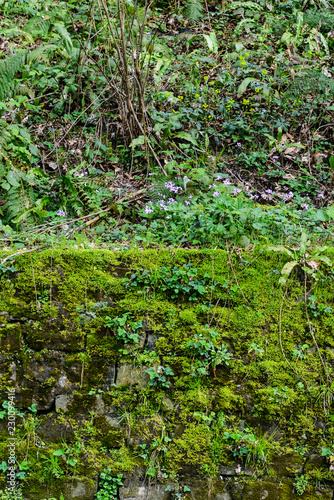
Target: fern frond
x=8, y=67
x=66, y=37
x=41, y=53
x=39, y=25
x=193, y=9
x=310, y=83
x=244, y=5
x=17, y=33
x=323, y=18
x=19, y=203
x=159, y=191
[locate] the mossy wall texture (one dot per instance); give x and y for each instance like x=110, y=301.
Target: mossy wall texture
x=220, y=381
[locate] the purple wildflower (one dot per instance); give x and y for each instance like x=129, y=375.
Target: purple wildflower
x=148, y=209
x=168, y=217
x=219, y=178
x=61, y=213
x=187, y=202
x=171, y=201
x=321, y=195
x=216, y=193
x=305, y=206
x=237, y=191
x=227, y=182
x=288, y=196
x=190, y=196
x=212, y=186
x=239, y=144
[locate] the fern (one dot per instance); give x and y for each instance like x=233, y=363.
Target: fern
x=310, y=82
x=244, y=5
x=193, y=9
x=8, y=68
x=19, y=203
x=323, y=18
x=159, y=191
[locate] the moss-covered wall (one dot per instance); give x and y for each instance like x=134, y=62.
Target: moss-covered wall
x=212, y=381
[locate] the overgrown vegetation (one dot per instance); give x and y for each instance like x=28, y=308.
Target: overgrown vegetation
x=187, y=124
x=235, y=383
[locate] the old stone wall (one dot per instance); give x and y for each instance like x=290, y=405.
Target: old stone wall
x=192, y=374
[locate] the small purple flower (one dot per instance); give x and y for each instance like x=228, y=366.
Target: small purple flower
x=61, y=213
x=216, y=193
x=305, y=206
x=148, y=209
x=227, y=182
x=253, y=196
x=162, y=205
x=274, y=158
x=187, y=202
x=219, y=178
x=190, y=196
x=247, y=188
x=288, y=196
x=239, y=144
x=168, y=217
x=212, y=186
x=171, y=201
x=151, y=173
x=237, y=191
x=321, y=195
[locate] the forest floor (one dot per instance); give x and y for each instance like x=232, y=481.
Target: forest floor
x=159, y=125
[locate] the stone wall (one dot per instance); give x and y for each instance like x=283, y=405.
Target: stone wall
x=191, y=373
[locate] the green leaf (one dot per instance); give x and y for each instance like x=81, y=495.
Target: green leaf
x=331, y=160
x=244, y=84
x=5, y=186
x=288, y=267
x=281, y=248
x=303, y=243
x=321, y=215
x=138, y=141
x=59, y=452
x=13, y=179
x=187, y=137
x=330, y=212
x=324, y=259
x=211, y=40
x=33, y=149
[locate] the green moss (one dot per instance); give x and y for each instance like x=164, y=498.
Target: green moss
x=194, y=408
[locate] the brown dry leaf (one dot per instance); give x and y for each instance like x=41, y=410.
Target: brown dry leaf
x=313, y=264
x=291, y=150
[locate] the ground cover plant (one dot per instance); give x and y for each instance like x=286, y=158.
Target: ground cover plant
x=190, y=124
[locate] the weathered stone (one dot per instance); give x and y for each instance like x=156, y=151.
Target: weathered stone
x=63, y=402
x=287, y=465
x=128, y=374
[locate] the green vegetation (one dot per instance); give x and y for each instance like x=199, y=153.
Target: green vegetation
x=237, y=379
x=192, y=124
